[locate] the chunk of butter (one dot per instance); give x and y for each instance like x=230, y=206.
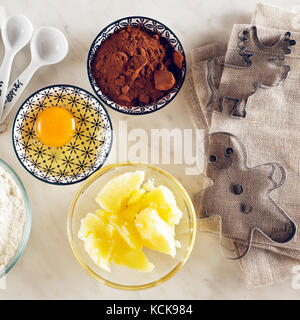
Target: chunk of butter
x=132, y=215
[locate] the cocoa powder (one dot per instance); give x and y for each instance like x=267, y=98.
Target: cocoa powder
x=135, y=66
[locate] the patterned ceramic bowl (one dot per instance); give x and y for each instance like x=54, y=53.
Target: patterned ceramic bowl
x=83, y=155
x=152, y=25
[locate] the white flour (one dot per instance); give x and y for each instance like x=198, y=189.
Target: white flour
x=12, y=217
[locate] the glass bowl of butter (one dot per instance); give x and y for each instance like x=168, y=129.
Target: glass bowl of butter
x=132, y=226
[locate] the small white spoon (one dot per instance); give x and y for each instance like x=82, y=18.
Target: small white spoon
x=48, y=46
x=16, y=32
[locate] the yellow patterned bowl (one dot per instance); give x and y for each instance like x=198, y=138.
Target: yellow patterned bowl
x=165, y=266
x=83, y=155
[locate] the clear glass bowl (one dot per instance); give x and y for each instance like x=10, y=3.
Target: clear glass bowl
x=122, y=277
x=27, y=223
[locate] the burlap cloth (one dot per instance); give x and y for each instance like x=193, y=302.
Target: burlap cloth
x=270, y=129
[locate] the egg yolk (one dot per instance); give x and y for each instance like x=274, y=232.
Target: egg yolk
x=55, y=126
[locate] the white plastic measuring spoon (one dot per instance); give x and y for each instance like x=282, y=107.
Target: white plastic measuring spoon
x=48, y=46
x=16, y=32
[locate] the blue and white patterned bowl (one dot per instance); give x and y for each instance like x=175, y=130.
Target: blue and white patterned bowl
x=152, y=25
x=83, y=155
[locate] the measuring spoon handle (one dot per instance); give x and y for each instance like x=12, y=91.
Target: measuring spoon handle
x=16, y=89
x=4, y=78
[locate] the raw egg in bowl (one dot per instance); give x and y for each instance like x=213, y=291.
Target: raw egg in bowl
x=55, y=127
x=62, y=134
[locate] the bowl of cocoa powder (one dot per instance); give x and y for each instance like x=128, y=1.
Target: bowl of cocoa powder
x=136, y=65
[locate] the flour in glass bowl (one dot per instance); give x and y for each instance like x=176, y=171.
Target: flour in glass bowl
x=12, y=217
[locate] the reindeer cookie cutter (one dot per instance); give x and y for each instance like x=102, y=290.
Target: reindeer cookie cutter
x=263, y=68
x=240, y=196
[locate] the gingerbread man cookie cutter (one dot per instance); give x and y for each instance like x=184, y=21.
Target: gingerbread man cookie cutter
x=264, y=67
x=240, y=196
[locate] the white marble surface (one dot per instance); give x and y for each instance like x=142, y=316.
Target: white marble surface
x=48, y=269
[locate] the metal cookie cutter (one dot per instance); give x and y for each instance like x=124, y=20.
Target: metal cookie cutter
x=241, y=196
x=263, y=68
